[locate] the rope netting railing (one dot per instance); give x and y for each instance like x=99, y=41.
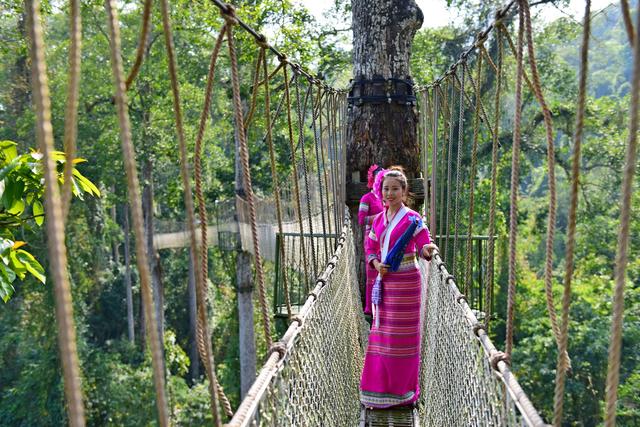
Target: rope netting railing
x=312, y=378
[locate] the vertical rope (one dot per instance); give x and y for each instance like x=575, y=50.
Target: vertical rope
x=295, y=171
x=133, y=186
x=434, y=159
x=494, y=179
x=472, y=173
x=626, y=16
x=142, y=43
x=551, y=222
x=622, y=255
x=244, y=155
x=445, y=134
x=301, y=110
x=274, y=176
x=317, y=142
x=562, y=365
x=55, y=222
x=202, y=268
x=324, y=166
x=449, y=155
x=71, y=113
x=515, y=172
x=456, y=210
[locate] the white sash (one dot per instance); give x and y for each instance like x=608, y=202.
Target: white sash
x=387, y=232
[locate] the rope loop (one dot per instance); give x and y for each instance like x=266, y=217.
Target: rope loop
x=314, y=295
x=481, y=37
x=282, y=57
x=229, y=14
x=278, y=347
x=462, y=297
x=450, y=277
x=499, y=356
x=298, y=319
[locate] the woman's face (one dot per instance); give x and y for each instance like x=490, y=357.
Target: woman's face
x=392, y=192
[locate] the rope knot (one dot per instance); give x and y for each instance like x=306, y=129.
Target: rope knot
x=278, y=347
x=283, y=58
x=477, y=327
x=480, y=39
x=450, y=277
x=499, y=356
x=261, y=40
x=462, y=297
x=229, y=14
x=298, y=319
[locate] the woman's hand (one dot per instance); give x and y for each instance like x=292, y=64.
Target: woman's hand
x=427, y=251
x=382, y=268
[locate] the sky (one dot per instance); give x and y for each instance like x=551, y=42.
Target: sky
x=439, y=16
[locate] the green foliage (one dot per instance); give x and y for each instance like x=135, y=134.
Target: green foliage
x=21, y=198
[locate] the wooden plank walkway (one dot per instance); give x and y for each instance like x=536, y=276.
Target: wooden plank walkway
x=395, y=417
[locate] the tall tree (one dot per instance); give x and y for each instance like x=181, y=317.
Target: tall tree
x=382, y=132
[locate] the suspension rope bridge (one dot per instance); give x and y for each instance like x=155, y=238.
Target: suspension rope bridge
x=311, y=373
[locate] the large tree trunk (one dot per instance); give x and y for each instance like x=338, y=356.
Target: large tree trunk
x=380, y=132
x=244, y=287
x=127, y=275
x=383, y=133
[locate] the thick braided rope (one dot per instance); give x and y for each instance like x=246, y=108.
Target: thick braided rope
x=434, y=160
x=512, y=46
x=133, y=186
x=551, y=220
x=472, y=175
x=274, y=176
x=622, y=254
x=449, y=155
x=71, y=113
x=562, y=365
x=55, y=222
x=424, y=118
x=628, y=24
x=494, y=185
x=244, y=156
x=301, y=109
x=295, y=174
x=515, y=172
x=142, y=43
x=456, y=210
x=202, y=326
x=317, y=142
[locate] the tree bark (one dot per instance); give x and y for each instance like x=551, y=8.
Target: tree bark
x=127, y=275
x=383, y=133
x=194, y=367
x=154, y=261
x=244, y=287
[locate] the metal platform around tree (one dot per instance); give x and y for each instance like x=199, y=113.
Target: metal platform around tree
x=406, y=416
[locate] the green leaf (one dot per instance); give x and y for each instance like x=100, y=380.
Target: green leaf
x=87, y=185
x=38, y=212
x=32, y=265
x=17, y=266
x=5, y=244
x=9, y=149
x=17, y=208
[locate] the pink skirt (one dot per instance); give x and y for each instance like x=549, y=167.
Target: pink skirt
x=392, y=361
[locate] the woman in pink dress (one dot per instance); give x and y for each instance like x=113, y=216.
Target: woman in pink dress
x=392, y=361
x=370, y=206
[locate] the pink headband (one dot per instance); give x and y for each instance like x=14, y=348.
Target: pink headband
x=371, y=174
x=377, y=185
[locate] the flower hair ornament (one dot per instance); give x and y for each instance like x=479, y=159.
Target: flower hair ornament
x=371, y=174
x=377, y=184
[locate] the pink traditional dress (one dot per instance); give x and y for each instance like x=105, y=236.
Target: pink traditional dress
x=392, y=361
x=370, y=206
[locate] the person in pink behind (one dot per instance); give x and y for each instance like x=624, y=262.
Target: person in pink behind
x=370, y=206
x=392, y=361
